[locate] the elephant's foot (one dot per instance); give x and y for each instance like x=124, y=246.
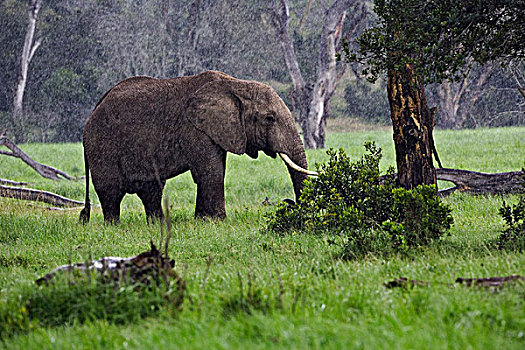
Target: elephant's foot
x=214, y=215
x=210, y=201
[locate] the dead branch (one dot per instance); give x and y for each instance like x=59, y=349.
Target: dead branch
x=52, y=208
x=478, y=183
x=488, y=282
x=44, y=170
x=29, y=194
x=12, y=183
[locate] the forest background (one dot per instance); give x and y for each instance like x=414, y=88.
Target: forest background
x=87, y=46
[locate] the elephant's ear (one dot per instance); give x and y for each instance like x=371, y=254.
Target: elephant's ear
x=217, y=111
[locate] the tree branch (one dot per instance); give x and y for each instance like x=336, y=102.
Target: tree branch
x=44, y=170
x=29, y=194
x=281, y=20
x=12, y=183
x=33, y=49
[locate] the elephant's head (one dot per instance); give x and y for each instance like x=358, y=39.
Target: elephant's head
x=247, y=117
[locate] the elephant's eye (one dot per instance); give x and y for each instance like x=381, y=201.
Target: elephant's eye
x=270, y=118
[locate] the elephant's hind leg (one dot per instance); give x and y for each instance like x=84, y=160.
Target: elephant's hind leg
x=110, y=199
x=150, y=193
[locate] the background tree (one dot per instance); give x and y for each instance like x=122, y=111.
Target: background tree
x=312, y=100
x=485, y=96
x=89, y=45
x=420, y=41
x=28, y=50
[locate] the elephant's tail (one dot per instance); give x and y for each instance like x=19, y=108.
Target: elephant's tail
x=84, y=214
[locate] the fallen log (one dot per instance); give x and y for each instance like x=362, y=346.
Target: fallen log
x=474, y=182
x=489, y=281
x=142, y=272
x=486, y=282
x=136, y=269
x=29, y=194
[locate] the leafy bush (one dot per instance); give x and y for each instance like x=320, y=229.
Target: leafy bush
x=513, y=237
x=372, y=215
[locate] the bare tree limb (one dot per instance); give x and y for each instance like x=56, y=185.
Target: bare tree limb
x=29, y=194
x=305, y=15
x=313, y=100
x=522, y=91
x=281, y=19
x=44, y=170
x=12, y=183
x=478, y=183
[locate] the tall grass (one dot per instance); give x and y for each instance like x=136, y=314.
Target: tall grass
x=267, y=291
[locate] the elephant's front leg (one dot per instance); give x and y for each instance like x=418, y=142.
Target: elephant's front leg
x=209, y=177
x=210, y=200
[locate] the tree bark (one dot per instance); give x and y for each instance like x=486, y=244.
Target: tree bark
x=413, y=124
x=28, y=51
x=313, y=131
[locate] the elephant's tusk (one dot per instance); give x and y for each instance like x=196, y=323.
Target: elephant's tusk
x=296, y=167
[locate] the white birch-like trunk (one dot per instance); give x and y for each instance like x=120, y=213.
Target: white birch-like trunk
x=27, y=54
x=312, y=100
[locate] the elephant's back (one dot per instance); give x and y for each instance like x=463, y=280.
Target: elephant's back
x=131, y=107
x=138, y=118
x=129, y=125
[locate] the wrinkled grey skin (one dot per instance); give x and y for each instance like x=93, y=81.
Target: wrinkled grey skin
x=145, y=131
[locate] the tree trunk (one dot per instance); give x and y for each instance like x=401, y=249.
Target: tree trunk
x=456, y=99
x=27, y=54
x=413, y=123
x=312, y=100
x=314, y=134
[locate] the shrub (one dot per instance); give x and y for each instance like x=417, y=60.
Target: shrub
x=371, y=214
x=513, y=237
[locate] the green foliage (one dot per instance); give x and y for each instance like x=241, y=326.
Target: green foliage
x=438, y=38
x=421, y=214
x=513, y=237
x=352, y=200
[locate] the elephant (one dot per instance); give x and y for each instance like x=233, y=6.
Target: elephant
x=145, y=130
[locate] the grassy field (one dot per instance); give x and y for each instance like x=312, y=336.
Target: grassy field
x=321, y=301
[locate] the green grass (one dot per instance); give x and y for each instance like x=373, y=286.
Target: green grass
x=324, y=302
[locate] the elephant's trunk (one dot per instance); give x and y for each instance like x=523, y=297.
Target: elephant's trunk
x=298, y=157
